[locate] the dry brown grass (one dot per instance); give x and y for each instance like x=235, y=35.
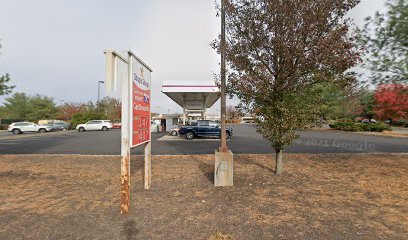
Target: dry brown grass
x=341, y=196
x=219, y=236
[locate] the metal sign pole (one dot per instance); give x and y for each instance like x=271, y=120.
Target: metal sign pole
x=125, y=144
x=148, y=164
x=148, y=156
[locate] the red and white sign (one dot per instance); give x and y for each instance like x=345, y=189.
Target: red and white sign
x=140, y=104
x=130, y=78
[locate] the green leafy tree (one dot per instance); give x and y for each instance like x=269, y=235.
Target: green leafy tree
x=2, y=112
x=17, y=106
x=5, y=88
x=277, y=51
x=21, y=106
x=330, y=100
x=42, y=107
x=385, y=37
x=367, y=104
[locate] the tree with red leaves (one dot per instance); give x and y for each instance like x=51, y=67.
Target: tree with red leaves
x=67, y=110
x=391, y=101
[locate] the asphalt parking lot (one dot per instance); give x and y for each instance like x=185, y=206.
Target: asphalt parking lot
x=245, y=140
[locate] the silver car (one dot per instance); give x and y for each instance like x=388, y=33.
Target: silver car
x=174, y=130
x=59, y=126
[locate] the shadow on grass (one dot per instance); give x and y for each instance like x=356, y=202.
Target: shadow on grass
x=136, y=164
x=129, y=229
x=206, y=169
x=250, y=161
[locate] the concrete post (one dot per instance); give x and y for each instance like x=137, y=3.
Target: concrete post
x=224, y=169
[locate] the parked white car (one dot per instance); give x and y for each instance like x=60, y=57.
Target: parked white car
x=369, y=121
x=94, y=125
x=21, y=127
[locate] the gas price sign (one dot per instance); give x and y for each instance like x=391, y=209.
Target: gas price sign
x=141, y=103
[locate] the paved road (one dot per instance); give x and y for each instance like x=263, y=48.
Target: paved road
x=245, y=140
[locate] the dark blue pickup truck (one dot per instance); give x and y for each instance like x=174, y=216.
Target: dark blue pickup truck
x=202, y=129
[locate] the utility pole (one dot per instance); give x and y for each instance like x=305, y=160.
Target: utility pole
x=224, y=159
x=99, y=82
x=223, y=147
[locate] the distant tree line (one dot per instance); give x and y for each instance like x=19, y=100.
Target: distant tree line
x=388, y=101
x=337, y=103
x=21, y=106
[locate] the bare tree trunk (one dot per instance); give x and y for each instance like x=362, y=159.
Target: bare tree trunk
x=278, y=165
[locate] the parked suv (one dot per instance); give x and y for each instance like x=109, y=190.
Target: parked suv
x=203, y=128
x=103, y=125
x=21, y=127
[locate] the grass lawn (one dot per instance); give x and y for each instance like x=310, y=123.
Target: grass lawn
x=325, y=196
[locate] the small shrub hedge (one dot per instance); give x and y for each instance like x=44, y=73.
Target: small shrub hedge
x=3, y=127
x=399, y=123
x=360, y=127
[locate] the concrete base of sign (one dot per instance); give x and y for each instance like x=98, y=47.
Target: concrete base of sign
x=224, y=169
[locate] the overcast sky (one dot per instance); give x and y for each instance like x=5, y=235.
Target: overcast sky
x=55, y=48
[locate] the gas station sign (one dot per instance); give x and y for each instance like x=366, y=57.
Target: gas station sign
x=129, y=77
x=140, y=104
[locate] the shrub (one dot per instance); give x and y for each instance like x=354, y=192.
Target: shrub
x=345, y=126
x=403, y=123
x=379, y=127
x=3, y=127
x=355, y=127
x=7, y=121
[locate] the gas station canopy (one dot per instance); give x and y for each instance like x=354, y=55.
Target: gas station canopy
x=192, y=95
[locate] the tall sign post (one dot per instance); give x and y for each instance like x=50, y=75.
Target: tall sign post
x=132, y=83
x=224, y=171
